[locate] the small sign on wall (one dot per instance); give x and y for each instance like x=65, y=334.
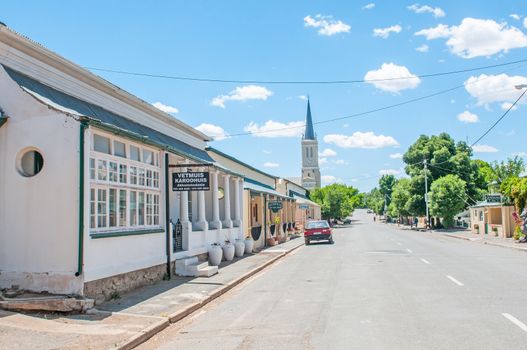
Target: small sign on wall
x=274, y=205
x=493, y=198
x=191, y=181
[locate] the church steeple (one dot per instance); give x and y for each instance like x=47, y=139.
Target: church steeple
x=309, y=133
x=310, y=170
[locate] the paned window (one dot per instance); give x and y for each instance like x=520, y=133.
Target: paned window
x=124, y=185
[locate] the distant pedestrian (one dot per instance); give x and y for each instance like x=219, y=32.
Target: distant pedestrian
x=374, y=217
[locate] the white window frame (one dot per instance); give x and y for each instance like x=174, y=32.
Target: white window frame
x=152, y=191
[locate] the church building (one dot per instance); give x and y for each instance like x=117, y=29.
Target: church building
x=310, y=170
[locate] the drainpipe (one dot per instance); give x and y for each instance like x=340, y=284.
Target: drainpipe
x=265, y=220
x=80, y=260
x=167, y=215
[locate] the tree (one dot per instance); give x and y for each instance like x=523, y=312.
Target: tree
x=375, y=201
x=447, y=198
x=336, y=200
x=513, y=167
x=401, y=196
x=386, y=183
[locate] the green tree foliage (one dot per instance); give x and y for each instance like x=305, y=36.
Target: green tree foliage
x=513, y=167
x=447, y=198
x=337, y=200
x=386, y=183
x=515, y=188
x=374, y=200
x=401, y=198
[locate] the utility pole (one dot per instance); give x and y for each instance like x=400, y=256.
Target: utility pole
x=426, y=195
x=385, y=216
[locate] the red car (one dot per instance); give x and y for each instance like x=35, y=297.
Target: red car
x=318, y=230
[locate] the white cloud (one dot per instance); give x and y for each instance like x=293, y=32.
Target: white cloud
x=494, y=88
x=266, y=151
x=525, y=22
x=478, y=37
x=271, y=165
x=214, y=131
x=165, y=108
x=506, y=105
x=339, y=161
x=242, y=93
x=328, y=152
x=440, y=31
x=438, y=12
x=385, y=32
x=467, y=117
x=361, y=140
x=452, y=100
x=515, y=16
x=276, y=129
x=322, y=161
x=328, y=179
x=368, y=6
x=484, y=149
x=520, y=154
x=422, y=48
x=389, y=172
x=396, y=156
x=345, y=125
x=326, y=25
x=303, y=97
x=380, y=78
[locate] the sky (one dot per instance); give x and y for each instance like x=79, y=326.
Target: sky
x=307, y=41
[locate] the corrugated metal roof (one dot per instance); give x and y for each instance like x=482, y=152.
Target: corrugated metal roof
x=305, y=201
x=257, y=188
x=69, y=104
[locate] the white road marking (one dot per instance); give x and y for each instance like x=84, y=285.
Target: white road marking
x=399, y=243
x=425, y=261
x=409, y=250
x=455, y=280
x=515, y=321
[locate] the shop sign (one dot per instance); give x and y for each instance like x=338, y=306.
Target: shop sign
x=493, y=198
x=303, y=206
x=191, y=181
x=274, y=205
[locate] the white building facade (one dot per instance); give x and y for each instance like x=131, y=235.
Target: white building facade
x=87, y=205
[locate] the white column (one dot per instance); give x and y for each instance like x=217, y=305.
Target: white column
x=216, y=223
x=202, y=223
x=227, y=222
x=194, y=201
x=237, y=206
x=183, y=208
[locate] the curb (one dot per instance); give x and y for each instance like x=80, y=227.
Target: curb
x=157, y=327
x=459, y=237
x=505, y=246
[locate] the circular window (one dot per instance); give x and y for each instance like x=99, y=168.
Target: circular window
x=30, y=163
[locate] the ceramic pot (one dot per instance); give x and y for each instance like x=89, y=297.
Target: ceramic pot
x=249, y=245
x=228, y=251
x=215, y=255
x=239, y=248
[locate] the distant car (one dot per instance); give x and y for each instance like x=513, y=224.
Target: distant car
x=369, y=211
x=347, y=221
x=318, y=230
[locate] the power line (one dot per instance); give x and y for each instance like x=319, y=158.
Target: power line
x=298, y=82
x=499, y=119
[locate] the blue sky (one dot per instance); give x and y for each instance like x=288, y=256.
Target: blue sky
x=306, y=40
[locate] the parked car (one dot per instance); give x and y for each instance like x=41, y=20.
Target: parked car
x=318, y=230
x=369, y=211
x=347, y=221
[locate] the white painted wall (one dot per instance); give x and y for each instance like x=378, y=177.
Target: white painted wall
x=38, y=215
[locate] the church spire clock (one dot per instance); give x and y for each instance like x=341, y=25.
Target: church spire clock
x=310, y=170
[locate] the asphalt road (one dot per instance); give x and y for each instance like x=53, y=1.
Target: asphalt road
x=377, y=287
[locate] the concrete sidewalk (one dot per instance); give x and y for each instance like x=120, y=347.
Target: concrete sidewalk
x=136, y=316
x=469, y=236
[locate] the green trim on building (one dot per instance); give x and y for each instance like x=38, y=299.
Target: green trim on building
x=3, y=120
x=126, y=233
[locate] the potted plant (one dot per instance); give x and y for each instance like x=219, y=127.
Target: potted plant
x=249, y=244
x=215, y=254
x=239, y=247
x=495, y=230
x=228, y=250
